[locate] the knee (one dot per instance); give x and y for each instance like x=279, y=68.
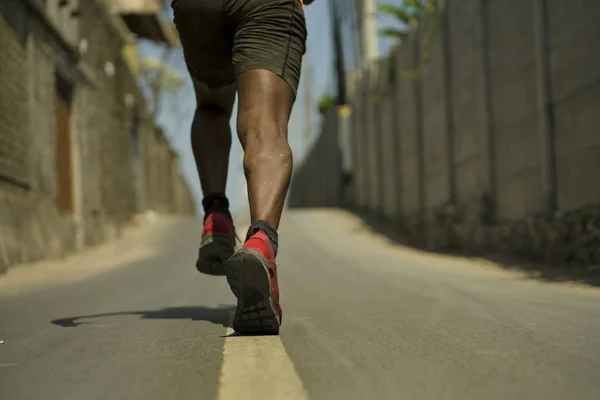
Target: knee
x=210, y=120
x=261, y=133
x=266, y=148
x=211, y=111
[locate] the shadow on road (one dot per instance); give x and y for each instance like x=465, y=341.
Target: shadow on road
x=219, y=315
x=534, y=270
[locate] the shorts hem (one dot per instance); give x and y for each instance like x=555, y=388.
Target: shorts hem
x=271, y=68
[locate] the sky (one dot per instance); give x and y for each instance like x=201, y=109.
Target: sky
x=178, y=109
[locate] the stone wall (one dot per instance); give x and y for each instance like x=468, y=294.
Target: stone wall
x=14, y=81
x=117, y=167
x=570, y=237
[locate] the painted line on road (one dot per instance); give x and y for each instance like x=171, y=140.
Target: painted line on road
x=258, y=367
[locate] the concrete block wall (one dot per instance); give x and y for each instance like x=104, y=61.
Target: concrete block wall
x=515, y=116
x=409, y=154
x=317, y=181
x=466, y=98
x=573, y=40
x=376, y=142
x=360, y=120
x=385, y=141
x=372, y=140
x=434, y=121
x=496, y=143
x=388, y=159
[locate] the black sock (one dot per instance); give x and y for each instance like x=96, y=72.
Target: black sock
x=264, y=226
x=215, y=201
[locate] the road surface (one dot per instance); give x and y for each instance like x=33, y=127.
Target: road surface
x=362, y=319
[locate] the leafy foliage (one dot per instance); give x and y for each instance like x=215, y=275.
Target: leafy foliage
x=157, y=79
x=174, y=153
x=408, y=14
x=325, y=103
x=164, y=77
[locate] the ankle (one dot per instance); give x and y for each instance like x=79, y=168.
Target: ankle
x=215, y=202
x=267, y=229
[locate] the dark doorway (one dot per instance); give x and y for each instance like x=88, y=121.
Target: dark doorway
x=64, y=145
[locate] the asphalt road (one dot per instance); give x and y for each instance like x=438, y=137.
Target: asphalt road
x=362, y=319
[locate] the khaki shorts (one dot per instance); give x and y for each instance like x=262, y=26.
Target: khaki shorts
x=224, y=38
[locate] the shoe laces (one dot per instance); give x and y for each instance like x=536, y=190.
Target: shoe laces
x=236, y=236
x=218, y=209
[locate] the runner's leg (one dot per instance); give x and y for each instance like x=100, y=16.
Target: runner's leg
x=205, y=40
x=265, y=104
x=268, y=44
x=211, y=136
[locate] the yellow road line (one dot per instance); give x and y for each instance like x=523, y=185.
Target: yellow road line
x=258, y=367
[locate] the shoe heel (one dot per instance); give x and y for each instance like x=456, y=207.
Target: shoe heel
x=213, y=256
x=249, y=279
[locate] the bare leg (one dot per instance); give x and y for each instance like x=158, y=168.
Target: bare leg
x=265, y=105
x=211, y=143
x=211, y=136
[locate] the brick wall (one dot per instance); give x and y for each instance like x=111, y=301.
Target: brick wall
x=14, y=81
x=41, y=84
x=106, y=192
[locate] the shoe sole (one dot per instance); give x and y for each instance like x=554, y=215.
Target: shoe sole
x=250, y=282
x=213, y=255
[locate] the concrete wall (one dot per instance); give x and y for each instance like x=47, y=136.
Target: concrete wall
x=317, y=182
x=110, y=180
x=575, y=80
x=496, y=142
x=514, y=110
x=409, y=154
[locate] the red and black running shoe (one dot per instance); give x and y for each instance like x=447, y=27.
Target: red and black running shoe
x=218, y=241
x=252, y=276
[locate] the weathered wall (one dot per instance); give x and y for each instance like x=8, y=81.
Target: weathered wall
x=318, y=183
x=518, y=145
x=409, y=155
x=14, y=81
x=106, y=147
x=27, y=212
x=467, y=97
x=575, y=79
x=496, y=143
x=434, y=130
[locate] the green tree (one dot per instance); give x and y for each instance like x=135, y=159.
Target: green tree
x=410, y=13
x=325, y=103
x=158, y=79
x=407, y=13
